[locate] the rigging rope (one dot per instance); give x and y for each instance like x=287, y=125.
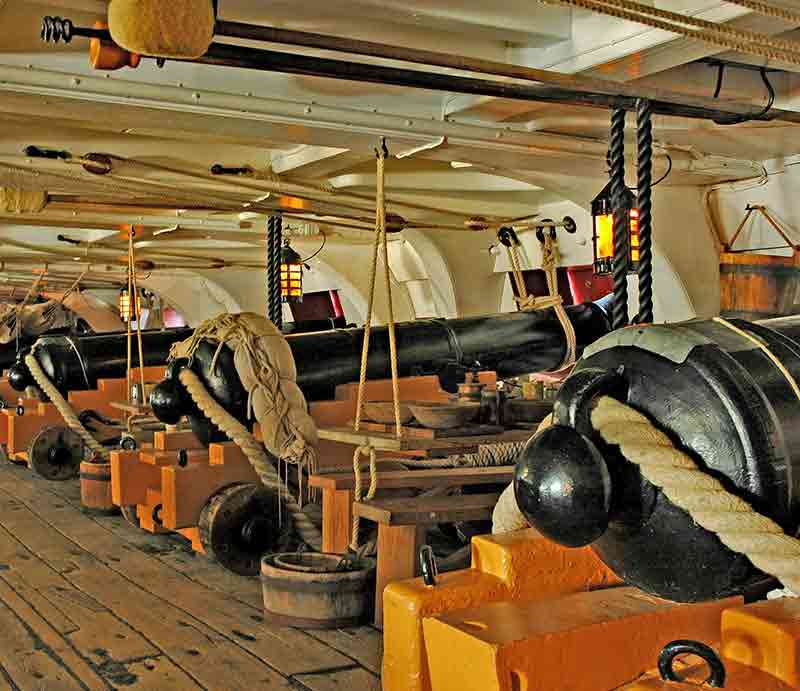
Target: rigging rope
x=644, y=130
x=621, y=211
x=721, y=36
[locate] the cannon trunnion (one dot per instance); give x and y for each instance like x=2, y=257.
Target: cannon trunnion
x=720, y=397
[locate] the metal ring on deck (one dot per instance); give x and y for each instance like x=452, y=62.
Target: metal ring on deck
x=672, y=650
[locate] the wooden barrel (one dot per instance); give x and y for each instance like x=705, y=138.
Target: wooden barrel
x=759, y=286
x=96, y=487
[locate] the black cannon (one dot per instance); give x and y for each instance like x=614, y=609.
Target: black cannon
x=510, y=344
x=75, y=363
x=721, y=396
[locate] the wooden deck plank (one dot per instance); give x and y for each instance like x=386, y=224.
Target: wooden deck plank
x=209, y=658
x=27, y=660
x=364, y=645
x=287, y=650
x=344, y=680
x=50, y=640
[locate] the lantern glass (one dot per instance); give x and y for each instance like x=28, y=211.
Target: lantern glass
x=291, y=276
x=125, y=305
x=603, y=239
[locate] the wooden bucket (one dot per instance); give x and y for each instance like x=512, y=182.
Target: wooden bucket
x=96, y=487
x=759, y=286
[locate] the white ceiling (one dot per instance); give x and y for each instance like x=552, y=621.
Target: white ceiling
x=190, y=116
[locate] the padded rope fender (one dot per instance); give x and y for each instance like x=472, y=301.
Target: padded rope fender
x=173, y=29
x=266, y=368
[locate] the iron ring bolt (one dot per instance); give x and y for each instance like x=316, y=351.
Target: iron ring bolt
x=427, y=562
x=672, y=650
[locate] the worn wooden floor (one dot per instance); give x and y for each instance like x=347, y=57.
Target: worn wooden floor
x=93, y=603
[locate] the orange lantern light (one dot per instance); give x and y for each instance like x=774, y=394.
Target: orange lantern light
x=603, y=225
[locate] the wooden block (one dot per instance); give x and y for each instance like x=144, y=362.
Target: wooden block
x=167, y=458
x=541, y=646
x=337, y=520
x=172, y=441
x=23, y=428
x=398, y=559
x=766, y=636
x=428, y=510
x=187, y=490
x=421, y=479
x=226, y=453
x=130, y=479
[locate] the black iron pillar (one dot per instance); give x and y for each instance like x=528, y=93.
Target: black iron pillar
x=274, y=243
x=644, y=129
x=619, y=312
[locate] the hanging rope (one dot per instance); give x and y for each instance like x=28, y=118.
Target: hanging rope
x=644, y=129
x=381, y=243
x=698, y=493
x=69, y=291
x=373, y=487
x=619, y=312
x=136, y=310
x=274, y=246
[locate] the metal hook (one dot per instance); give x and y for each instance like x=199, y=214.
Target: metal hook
x=427, y=562
x=383, y=150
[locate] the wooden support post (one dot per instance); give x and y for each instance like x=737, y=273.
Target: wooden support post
x=398, y=559
x=337, y=520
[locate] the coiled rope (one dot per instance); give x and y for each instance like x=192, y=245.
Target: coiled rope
x=63, y=406
x=254, y=451
x=701, y=495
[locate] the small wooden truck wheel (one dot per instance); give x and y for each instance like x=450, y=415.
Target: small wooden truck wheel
x=239, y=524
x=56, y=453
x=129, y=513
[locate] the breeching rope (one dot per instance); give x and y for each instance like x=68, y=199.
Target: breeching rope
x=381, y=243
x=63, y=406
x=701, y=495
x=255, y=453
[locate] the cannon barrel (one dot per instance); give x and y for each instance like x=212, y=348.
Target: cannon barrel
x=511, y=344
x=721, y=398
x=75, y=363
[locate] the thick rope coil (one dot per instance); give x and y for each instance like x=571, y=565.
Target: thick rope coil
x=619, y=312
x=63, y=406
x=701, y=495
x=644, y=129
x=254, y=451
x=373, y=486
x=274, y=301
